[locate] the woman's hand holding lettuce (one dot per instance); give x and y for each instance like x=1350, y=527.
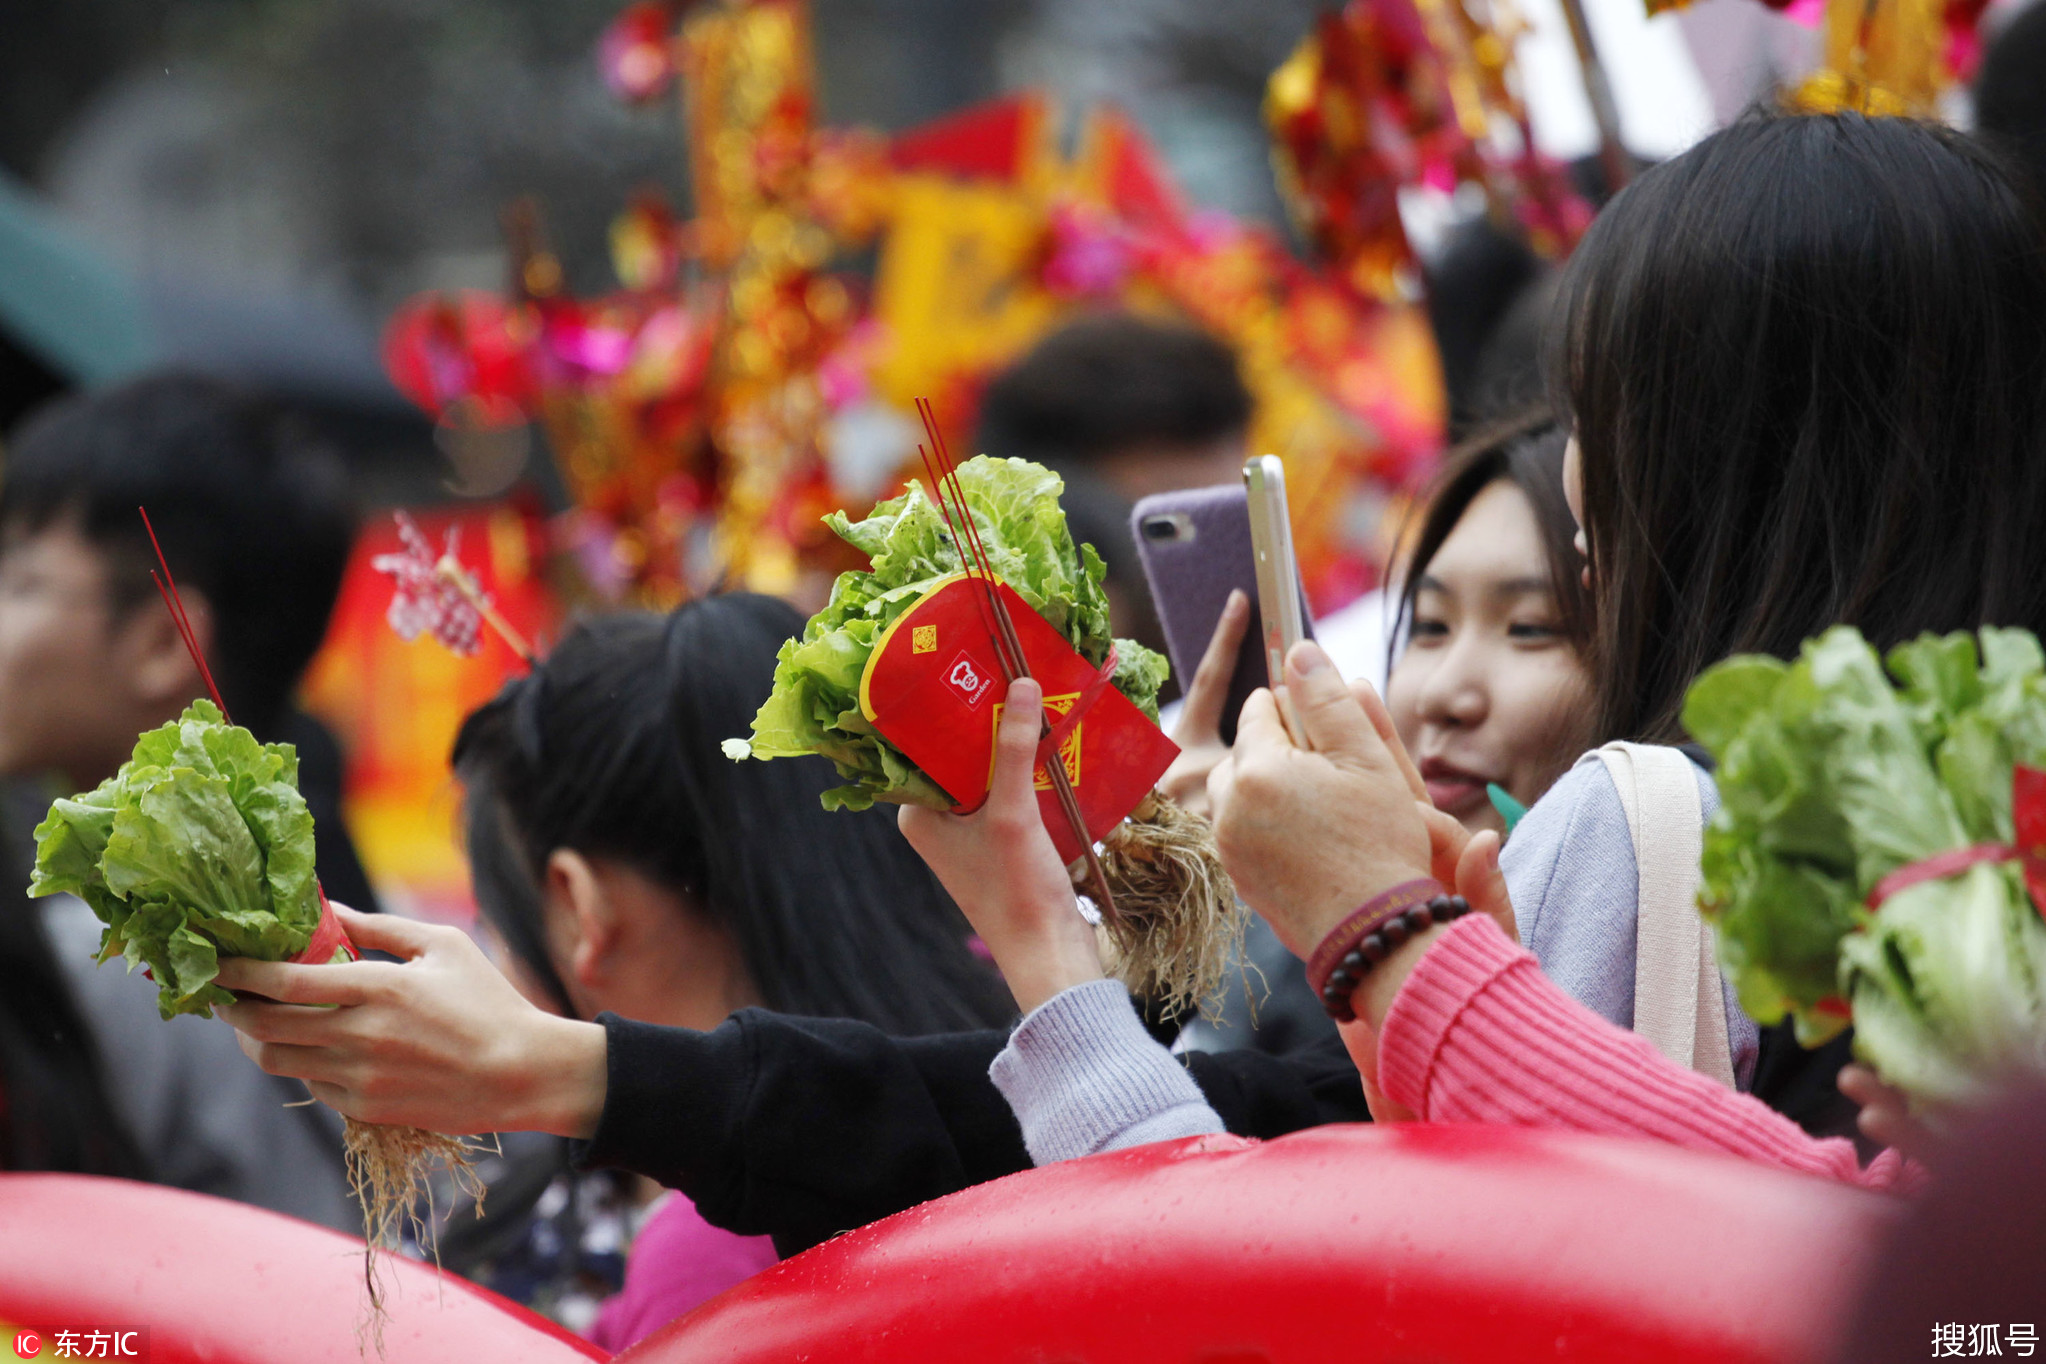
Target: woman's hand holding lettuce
x=201, y=848
x=1834, y=774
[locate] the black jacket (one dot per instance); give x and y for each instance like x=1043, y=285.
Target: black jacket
x=801, y=1128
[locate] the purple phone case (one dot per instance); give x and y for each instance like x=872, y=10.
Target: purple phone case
x=1191, y=578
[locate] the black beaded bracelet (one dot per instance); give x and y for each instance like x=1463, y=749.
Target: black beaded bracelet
x=1375, y=946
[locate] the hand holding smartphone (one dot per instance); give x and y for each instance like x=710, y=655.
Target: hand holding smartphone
x=1278, y=575
x=1198, y=545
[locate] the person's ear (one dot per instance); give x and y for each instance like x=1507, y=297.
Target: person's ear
x=582, y=920
x=154, y=659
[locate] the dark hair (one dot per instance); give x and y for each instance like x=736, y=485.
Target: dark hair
x=2010, y=91
x=250, y=511
x=1474, y=284
x=611, y=748
x=1526, y=451
x=1108, y=381
x=55, y=1111
x=1807, y=370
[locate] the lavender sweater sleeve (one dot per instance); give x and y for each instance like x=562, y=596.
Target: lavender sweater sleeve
x=1083, y=1076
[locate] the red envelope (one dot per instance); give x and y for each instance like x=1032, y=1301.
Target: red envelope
x=933, y=688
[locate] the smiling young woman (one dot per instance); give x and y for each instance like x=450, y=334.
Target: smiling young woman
x=1493, y=687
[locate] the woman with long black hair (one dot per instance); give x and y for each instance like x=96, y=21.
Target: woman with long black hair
x=643, y=879
x=596, y=786
x=1806, y=370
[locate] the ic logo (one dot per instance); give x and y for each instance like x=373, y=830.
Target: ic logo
x=969, y=680
x=27, y=1344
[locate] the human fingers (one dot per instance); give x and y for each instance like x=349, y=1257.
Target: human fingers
x=1482, y=884
x=1385, y=1109
x=393, y=933
x=1200, y=720
x=1885, y=1116
x=1447, y=839
x=336, y=1079
x=332, y=1095
x=917, y=824
x=1221, y=778
x=1012, y=788
x=291, y=983
x=314, y=1065
x=1186, y=781
x=293, y=1024
x=1260, y=729
x=1367, y=697
x=1334, y=723
x=1859, y=1083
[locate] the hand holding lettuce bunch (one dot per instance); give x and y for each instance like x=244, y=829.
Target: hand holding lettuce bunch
x=201, y=845
x=815, y=706
x=1176, y=918
x=1835, y=775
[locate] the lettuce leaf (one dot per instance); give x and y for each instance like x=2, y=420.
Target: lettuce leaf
x=1835, y=771
x=200, y=846
x=815, y=705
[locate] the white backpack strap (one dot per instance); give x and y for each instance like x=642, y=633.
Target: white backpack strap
x=1678, y=1001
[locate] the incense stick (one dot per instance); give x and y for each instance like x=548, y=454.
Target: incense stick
x=1005, y=625
x=967, y=565
x=175, y=604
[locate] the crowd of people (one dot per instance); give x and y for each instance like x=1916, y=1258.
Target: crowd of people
x=1794, y=377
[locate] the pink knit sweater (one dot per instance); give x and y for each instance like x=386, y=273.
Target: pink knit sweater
x=1478, y=1034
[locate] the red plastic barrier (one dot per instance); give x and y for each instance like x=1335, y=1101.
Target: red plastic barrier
x=1411, y=1243
x=225, y=1283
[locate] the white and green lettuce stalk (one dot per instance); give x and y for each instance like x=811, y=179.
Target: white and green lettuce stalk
x=1833, y=773
x=199, y=847
x=815, y=705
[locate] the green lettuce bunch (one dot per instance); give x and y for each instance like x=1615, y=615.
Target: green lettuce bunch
x=199, y=847
x=815, y=705
x=1833, y=773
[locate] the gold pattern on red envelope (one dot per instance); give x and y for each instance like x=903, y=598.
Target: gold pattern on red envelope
x=933, y=705
x=1069, y=751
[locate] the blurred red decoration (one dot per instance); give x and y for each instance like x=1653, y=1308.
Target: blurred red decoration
x=737, y=363
x=81, y=1252
x=465, y=357
x=1451, y=1244
x=1388, y=95
x=637, y=51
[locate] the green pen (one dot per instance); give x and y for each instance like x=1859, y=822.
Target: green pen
x=1509, y=809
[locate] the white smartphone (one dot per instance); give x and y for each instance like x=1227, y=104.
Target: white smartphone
x=1278, y=575
x=1278, y=578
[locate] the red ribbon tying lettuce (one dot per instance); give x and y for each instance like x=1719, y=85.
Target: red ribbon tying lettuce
x=329, y=937
x=2028, y=822
x=2028, y=819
